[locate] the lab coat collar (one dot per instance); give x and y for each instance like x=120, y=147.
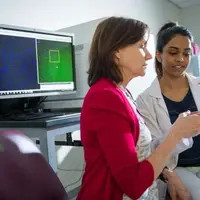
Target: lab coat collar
x=155, y=91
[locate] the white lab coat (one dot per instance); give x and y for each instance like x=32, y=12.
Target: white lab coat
x=152, y=107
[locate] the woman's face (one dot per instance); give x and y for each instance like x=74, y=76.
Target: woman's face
x=132, y=59
x=176, y=56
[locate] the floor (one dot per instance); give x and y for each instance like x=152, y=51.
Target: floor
x=70, y=166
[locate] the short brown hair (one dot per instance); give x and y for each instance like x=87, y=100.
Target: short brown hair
x=112, y=34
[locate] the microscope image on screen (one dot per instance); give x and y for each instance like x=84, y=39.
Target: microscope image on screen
x=35, y=63
x=18, y=66
x=54, y=56
x=54, y=61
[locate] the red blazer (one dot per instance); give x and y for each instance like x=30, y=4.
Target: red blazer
x=109, y=133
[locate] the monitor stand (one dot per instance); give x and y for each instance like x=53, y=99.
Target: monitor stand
x=28, y=109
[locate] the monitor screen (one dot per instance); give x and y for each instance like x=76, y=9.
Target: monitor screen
x=35, y=64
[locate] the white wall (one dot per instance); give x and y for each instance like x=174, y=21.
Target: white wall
x=189, y=17
x=54, y=15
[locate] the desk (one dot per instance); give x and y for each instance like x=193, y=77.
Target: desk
x=46, y=130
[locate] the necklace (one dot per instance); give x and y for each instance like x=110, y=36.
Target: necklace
x=130, y=97
x=128, y=94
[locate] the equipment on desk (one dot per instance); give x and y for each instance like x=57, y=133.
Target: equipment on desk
x=194, y=67
x=34, y=64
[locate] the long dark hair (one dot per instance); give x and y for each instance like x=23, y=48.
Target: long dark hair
x=112, y=34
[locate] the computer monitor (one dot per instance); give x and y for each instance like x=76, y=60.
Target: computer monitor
x=35, y=63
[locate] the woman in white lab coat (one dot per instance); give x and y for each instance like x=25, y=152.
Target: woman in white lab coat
x=172, y=92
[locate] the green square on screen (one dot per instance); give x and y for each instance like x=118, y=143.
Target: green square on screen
x=54, y=56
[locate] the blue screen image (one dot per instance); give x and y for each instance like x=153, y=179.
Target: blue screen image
x=18, y=64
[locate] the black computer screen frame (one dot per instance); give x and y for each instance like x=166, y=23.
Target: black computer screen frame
x=46, y=93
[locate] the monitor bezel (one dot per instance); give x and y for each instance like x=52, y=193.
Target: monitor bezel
x=47, y=93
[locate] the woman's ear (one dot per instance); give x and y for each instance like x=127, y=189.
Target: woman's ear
x=158, y=56
x=117, y=57
x=117, y=54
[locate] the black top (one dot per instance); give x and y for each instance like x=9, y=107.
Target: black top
x=190, y=157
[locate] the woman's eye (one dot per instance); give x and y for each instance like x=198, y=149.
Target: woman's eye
x=188, y=54
x=184, y=54
x=172, y=53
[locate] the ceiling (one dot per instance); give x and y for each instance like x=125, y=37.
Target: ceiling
x=185, y=3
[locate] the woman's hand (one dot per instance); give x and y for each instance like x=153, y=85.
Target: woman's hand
x=176, y=188
x=187, y=125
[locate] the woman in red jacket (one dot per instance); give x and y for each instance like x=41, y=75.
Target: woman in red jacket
x=116, y=142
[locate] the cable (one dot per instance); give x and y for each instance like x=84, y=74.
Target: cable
x=79, y=179
x=41, y=101
x=75, y=181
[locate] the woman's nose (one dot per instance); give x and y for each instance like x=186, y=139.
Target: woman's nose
x=180, y=58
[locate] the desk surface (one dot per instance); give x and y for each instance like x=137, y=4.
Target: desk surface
x=43, y=123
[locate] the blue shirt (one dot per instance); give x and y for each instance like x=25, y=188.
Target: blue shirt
x=190, y=157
